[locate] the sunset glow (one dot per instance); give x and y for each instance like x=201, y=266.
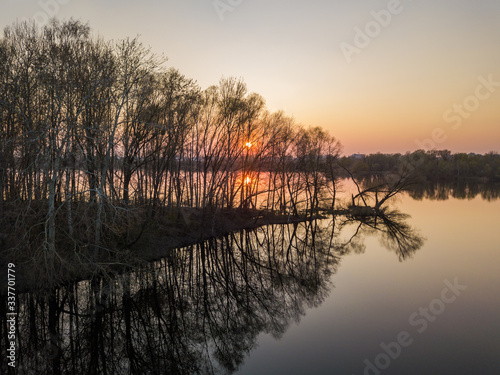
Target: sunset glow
x=380, y=76
x=250, y=187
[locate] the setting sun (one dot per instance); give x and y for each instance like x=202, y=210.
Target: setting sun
x=243, y=187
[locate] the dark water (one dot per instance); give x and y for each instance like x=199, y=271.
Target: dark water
x=390, y=295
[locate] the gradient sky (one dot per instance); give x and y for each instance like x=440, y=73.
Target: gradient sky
x=391, y=97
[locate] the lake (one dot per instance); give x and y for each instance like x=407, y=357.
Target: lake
x=374, y=296
x=415, y=292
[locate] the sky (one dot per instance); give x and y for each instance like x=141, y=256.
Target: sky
x=381, y=76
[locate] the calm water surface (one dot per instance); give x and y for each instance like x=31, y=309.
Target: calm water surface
x=400, y=295
x=375, y=298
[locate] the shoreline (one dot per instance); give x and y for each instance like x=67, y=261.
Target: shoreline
x=159, y=239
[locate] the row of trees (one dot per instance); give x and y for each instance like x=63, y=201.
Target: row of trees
x=97, y=137
x=429, y=166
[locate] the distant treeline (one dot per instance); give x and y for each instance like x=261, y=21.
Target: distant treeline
x=428, y=166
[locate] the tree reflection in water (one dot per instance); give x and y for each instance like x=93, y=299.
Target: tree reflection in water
x=464, y=190
x=200, y=309
x=395, y=233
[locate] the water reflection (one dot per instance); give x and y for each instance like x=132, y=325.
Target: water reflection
x=200, y=309
x=396, y=234
x=463, y=190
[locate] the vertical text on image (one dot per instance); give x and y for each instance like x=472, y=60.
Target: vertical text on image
x=11, y=314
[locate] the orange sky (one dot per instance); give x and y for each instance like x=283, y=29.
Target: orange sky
x=379, y=75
